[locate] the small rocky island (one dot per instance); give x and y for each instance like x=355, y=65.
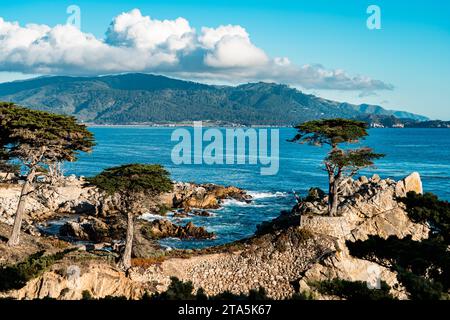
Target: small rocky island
x=284, y=256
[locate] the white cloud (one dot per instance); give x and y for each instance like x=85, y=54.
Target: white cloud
x=211, y=36
x=131, y=29
x=235, y=51
x=137, y=43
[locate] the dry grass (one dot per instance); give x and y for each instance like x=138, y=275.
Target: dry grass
x=147, y=262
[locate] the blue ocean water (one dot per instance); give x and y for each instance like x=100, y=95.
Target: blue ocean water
x=424, y=150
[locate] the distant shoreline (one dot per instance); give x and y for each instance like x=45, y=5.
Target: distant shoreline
x=182, y=124
x=219, y=125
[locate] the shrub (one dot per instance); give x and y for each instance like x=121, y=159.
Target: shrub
x=353, y=290
x=16, y=276
x=177, y=290
x=86, y=295
x=162, y=209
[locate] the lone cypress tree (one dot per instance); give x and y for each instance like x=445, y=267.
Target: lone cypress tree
x=132, y=182
x=339, y=163
x=38, y=139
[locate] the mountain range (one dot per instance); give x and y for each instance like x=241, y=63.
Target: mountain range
x=145, y=98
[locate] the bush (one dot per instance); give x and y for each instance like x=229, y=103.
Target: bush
x=353, y=290
x=304, y=295
x=86, y=295
x=428, y=208
x=177, y=290
x=162, y=209
x=16, y=276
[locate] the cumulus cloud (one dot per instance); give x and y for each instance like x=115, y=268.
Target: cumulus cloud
x=235, y=51
x=138, y=43
x=131, y=29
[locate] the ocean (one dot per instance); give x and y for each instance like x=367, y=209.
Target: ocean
x=426, y=151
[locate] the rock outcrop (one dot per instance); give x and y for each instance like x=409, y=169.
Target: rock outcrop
x=369, y=207
x=48, y=202
x=162, y=228
x=410, y=183
x=73, y=196
x=206, y=196
x=71, y=282
x=86, y=229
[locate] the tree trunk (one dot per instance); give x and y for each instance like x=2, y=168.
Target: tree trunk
x=333, y=200
x=125, y=262
x=14, y=239
x=333, y=186
x=331, y=195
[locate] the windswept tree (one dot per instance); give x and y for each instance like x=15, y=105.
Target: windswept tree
x=339, y=163
x=37, y=140
x=131, y=183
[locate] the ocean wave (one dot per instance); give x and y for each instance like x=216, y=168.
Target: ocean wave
x=150, y=217
x=237, y=203
x=263, y=195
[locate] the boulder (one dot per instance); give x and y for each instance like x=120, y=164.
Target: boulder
x=410, y=183
x=162, y=228
x=86, y=229
x=204, y=196
x=201, y=213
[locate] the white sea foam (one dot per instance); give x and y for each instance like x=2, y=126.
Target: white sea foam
x=237, y=203
x=263, y=195
x=150, y=216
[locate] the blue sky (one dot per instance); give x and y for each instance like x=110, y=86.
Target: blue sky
x=409, y=56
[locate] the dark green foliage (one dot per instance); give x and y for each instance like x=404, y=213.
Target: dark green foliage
x=56, y=137
x=331, y=131
x=303, y=296
x=115, y=298
x=423, y=267
x=421, y=257
x=177, y=290
x=16, y=276
x=352, y=160
x=428, y=259
x=139, y=98
x=428, y=208
x=132, y=182
x=133, y=178
x=163, y=209
x=253, y=295
x=282, y=222
x=38, y=140
x=9, y=167
x=314, y=194
x=339, y=163
x=86, y=295
x=419, y=287
x=353, y=290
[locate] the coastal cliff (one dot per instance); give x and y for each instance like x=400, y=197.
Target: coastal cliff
x=284, y=256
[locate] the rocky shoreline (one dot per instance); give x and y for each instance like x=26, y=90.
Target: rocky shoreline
x=284, y=256
x=99, y=219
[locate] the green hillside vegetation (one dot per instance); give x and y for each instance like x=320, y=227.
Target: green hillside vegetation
x=142, y=98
